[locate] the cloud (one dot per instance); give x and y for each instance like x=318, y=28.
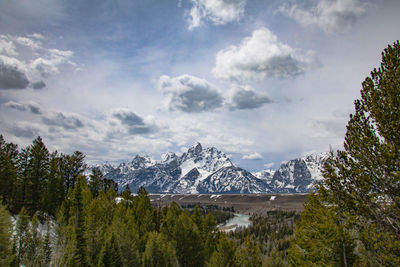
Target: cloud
x=32, y=107
x=12, y=75
x=24, y=130
x=329, y=15
x=7, y=47
x=253, y=156
x=16, y=70
x=136, y=125
x=259, y=56
x=247, y=98
x=38, y=85
x=216, y=11
x=48, y=65
x=66, y=121
x=190, y=94
x=25, y=41
x=269, y=165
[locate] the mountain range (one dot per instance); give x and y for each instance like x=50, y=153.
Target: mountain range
x=208, y=170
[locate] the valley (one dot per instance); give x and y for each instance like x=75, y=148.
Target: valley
x=249, y=204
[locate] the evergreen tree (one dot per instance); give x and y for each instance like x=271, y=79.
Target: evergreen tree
x=75, y=251
x=8, y=171
x=6, y=252
x=46, y=248
x=363, y=179
x=54, y=192
x=158, y=252
x=22, y=186
x=23, y=237
x=320, y=237
x=38, y=167
x=361, y=189
x=188, y=242
x=110, y=255
x=126, y=232
x=249, y=254
x=224, y=253
x=71, y=167
x=96, y=181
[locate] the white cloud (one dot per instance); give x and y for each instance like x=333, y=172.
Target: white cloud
x=217, y=11
x=36, y=36
x=260, y=56
x=269, y=165
x=33, y=44
x=190, y=94
x=329, y=15
x=50, y=63
x=253, y=156
x=7, y=47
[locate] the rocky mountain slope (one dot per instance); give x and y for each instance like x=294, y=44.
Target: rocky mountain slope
x=211, y=171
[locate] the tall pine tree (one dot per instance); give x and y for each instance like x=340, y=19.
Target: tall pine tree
x=362, y=182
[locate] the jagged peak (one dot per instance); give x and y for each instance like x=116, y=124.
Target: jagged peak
x=168, y=157
x=196, y=148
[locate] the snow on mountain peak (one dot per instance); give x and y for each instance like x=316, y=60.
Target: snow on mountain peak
x=209, y=170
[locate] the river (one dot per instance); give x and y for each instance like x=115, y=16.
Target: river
x=239, y=220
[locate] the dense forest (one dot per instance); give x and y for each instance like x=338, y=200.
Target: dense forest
x=52, y=214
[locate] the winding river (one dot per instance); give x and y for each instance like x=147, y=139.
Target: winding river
x=239, y=220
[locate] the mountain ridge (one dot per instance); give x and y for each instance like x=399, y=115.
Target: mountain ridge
x=209, y=170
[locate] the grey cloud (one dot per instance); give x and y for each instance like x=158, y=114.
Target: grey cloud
x=61, y=120
x=247, y=99
x=11, y=77
x=24, y=131
x=135, y=123
x=190, y=94
x=38, y=85
x=33, y=108
x=331, y=16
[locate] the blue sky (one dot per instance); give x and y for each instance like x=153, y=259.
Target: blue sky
x=264, y=81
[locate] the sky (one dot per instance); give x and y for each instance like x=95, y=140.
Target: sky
x=263, y=81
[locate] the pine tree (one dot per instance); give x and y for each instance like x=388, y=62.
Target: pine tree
x=38, y=166
x=249, y=254
x=22, y=185
x=320, y=237
x=46, y=247
x=159, y=252
x=71, y=167
x=110, y=255
x=8, y=172
x=75, y=250
x=53, y=195
x=224, y=253
x=96, y=181
x=363, y=179
x=359, y=201
x=5, y=237
x=188, y=242
x=23, y=237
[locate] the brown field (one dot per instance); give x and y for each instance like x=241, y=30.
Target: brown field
x=245, y=204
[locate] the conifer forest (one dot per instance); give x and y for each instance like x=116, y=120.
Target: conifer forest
x=54, y=211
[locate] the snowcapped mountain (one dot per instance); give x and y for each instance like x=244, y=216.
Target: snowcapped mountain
x=296, y=176
x=198, y=170
x=211, y=171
